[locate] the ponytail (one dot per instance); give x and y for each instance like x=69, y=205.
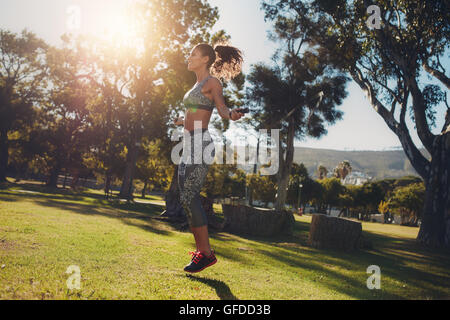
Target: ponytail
x=228, y=63
x=225, y=61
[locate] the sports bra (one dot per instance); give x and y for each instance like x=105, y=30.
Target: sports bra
x=194, y=98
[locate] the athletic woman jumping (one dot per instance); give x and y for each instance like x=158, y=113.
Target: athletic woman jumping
x=224, y=62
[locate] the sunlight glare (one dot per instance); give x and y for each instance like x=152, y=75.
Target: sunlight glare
x=118, y=26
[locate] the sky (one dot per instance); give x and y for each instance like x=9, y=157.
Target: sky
x=361, y=128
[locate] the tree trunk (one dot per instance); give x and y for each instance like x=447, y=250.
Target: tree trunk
x=3, y=154
x=174, y=209
x=52, y=180
x=255, y=170
x=435, y=226
x=126, y=191
x=75, y=178
x=285, y=166
x=282, y=190
x=107, y=185
x=257, y=222
x=144, y=190
x=336, y=233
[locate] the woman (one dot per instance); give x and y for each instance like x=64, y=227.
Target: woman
x=223, y=62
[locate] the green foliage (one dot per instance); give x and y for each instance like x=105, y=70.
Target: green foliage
x=263, y=187
x=83, y=107
x=332, y=188
x=299, y=176
x=224, y=181
x=299, y=93
x=408, y=202
x=22, y=74
x=153, y=170
x=383, y=207
x=386, y=62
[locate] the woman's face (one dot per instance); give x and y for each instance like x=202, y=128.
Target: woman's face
x=196, y=61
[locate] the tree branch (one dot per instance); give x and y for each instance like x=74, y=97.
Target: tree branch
x=418, y=161
x=437, y=74
x=419, y=108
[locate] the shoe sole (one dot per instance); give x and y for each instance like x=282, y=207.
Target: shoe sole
x=209, y=265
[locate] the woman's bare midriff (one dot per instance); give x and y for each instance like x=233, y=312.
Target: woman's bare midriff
x=200, y=115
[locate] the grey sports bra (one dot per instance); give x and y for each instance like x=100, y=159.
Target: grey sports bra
x=194, y=98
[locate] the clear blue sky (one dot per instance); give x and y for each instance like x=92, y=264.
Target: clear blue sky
x=361, y=129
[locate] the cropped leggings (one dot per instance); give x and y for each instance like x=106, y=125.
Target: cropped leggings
x=198, y=155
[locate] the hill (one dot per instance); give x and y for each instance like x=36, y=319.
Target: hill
x=377, y=164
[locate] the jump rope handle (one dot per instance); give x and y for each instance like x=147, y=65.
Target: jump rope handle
x=243, y=110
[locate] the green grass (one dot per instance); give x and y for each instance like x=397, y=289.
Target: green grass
x=125, y=254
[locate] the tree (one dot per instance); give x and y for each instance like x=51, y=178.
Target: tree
x=177, y=80
x=383, y=208
x=408, y=203
x=22, y=71
x=332, y=189
x=317, y=192
x=342, y=170
x=368, y=197
x=106, y=69
x=63, y=130
x=346, y=200
x=153, y=170
x=263, y=188
x=387, y=64
x=297, y=182
x=322, y=172
x=300, y=93
x=169, y=28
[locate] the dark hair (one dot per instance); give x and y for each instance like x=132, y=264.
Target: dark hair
x=224, y=61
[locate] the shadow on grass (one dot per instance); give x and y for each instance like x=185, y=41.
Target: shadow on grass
x=29, y=190
x=222, y=289
x=134, y=218
x=8, y=198
x=406, y=263
x=133, y=214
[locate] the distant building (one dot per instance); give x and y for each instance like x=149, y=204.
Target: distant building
x=356, y=178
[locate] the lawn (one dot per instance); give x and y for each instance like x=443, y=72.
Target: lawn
x=124, y=253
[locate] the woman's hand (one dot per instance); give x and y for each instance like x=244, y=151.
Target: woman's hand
x=179, y=121
x=235, y=115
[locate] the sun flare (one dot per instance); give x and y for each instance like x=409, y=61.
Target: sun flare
x=119, y=26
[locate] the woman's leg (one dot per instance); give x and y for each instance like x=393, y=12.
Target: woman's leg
x=190, y=199
x=201, y=237
x=191, y=179
x=190, y=187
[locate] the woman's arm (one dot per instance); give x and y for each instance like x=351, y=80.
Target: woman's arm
x=219, y=100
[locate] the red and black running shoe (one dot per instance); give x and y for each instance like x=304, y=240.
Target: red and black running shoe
x=200, y=261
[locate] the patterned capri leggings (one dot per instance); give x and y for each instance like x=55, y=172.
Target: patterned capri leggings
x=198, y=155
